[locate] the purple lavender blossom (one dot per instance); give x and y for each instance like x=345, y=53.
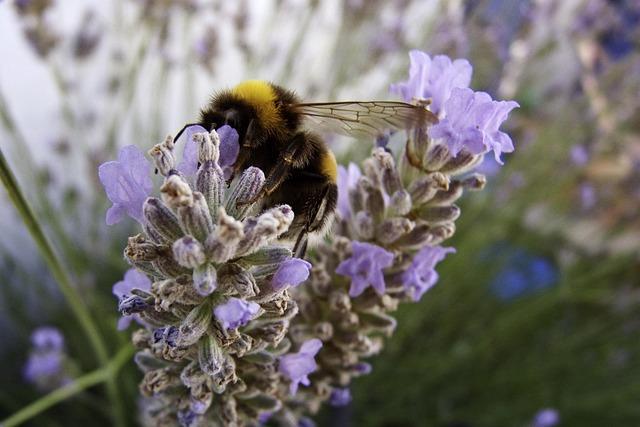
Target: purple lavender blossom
x=433, y=78
x=364, y=267
x=291, y=273
x=363, y=368
x=133, y=279
x=235, y=312
x=297, y=366
x=347, y=179
x=42, y=367
x=229, y=149
x=471, y=122
x=546, y=418
x=340, y=397
x=47, y=338
x=189, y=163
x=45, y=365
x=421, y=274
x=579, y=155
x=127, y=184
x=588, y=196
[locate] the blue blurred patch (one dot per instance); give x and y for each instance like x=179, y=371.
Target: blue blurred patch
x=524, y=274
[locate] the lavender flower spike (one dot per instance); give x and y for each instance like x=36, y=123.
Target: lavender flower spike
x=235, y=313
x=133, y=279
x=433, y=78
x=47, y=338
x=127, y=184
x=364, y=267
x=229, y=149
x=421, y=274
x=472, y=121
x=297, y=366
x=45, y=367
x=291, y=273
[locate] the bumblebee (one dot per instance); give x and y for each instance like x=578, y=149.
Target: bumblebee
x=299, y=168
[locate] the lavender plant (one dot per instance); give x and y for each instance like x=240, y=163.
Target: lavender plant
x=223, y=341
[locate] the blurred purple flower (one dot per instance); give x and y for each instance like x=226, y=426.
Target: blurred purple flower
x=42, y=366
x=235, y=312
x=433, y=78
x=588, y=196
x=47, y=338
x=45, y=365
x=133, y=279
x=472, y=121
x=229, y=149
x=579, y=155
x=297, y=366
x=127, y=184
x=291, y=273
x=340, y=397
x=347, y=179
x=546, y=418
x=364, y=267
x=421, y=274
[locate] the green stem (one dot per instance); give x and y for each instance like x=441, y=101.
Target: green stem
x=62, y=278
x=109, y=371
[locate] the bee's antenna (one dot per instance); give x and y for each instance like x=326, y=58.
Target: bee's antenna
x=175, y=138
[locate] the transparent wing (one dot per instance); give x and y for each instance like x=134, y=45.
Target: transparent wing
x=368, y=118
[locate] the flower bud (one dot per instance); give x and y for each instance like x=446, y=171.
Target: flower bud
x=162, y=155
x=436, y=157
x=476, y=181
x=211, y=357
x=244, y=191
x=195, y=325
x=176, y=192
x=440, y=214
x=208, y=146
x=210, y=182
x=363, y=225
x=221, y=245
x=425, y=187
x=447, y=197
x=161, y=219
x=195, y=218
x=400, y=203
x=388, y=173
x=461, y=163
x=391, y=229
x=205, y=279
x=188, y=252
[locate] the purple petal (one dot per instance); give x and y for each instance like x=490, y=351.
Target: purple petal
x=133, y=279
x=235, y=312
x=47, y=338
x=127, y=184
x=291, y=272
x=229, y=146
x=189, y=163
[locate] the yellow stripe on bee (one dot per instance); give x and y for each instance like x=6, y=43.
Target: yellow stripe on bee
x=329, y=166
x=261, y=96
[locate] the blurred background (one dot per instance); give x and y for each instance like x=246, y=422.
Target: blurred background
x=540, y=307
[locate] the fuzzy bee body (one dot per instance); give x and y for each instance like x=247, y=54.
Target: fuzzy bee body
x=299, y=168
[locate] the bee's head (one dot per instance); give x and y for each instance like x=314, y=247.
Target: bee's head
x=256, y=100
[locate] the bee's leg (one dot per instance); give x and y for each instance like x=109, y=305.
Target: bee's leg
x=314, y=222
x=281, y=169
